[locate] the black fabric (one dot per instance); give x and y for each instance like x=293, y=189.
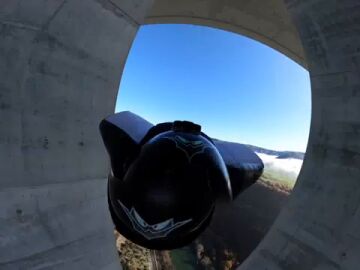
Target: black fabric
x=163, y=127
x=156, y=130
x=121, y=147
x=241, y=179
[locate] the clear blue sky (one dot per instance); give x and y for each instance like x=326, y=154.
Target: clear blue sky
x=238, y=89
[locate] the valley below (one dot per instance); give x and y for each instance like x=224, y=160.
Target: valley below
x=236, y=228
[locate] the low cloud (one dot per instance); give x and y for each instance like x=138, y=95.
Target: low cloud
x=289, y=167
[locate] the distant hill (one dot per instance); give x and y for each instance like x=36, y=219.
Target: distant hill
x=279, y=154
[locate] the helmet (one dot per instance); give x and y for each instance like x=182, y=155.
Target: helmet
x=167, y=194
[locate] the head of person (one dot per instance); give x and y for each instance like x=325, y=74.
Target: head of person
x=167, y=194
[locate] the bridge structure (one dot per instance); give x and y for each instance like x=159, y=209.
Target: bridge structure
x=60, y=66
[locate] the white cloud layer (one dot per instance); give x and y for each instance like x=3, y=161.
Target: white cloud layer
x=289, y=166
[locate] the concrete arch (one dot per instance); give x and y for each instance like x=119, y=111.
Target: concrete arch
x=267, y=22
x=59, y=67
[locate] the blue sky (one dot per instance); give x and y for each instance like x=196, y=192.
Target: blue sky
x=238, y=89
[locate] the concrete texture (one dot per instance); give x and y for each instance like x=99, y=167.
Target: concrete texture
x=266, y=21
x=319, y=228
x=60, y=66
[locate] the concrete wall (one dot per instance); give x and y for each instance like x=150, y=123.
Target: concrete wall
x=319, y=228
x=266, y=21
x=60, y=65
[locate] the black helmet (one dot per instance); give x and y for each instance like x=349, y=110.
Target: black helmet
x=167, y=194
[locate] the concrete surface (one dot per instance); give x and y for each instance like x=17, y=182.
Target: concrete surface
x=265, y=21
x=319, y=228
x=60, y=66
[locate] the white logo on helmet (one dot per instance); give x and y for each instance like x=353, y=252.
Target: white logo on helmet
x=158, y=230
x=189, y=147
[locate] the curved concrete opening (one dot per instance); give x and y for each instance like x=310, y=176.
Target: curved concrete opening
x=269, y=23
x=224, y=55
x=60, y=66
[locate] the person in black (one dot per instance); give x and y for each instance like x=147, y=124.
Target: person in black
x=166, y=179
